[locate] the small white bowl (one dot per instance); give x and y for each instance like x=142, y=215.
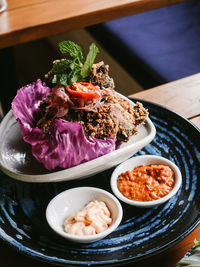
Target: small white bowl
x=72, y=200
x=130, y=164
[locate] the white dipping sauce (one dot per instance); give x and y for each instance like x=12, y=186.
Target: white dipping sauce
x=94, y=218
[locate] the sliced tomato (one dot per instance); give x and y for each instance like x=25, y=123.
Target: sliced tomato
x=83, y=90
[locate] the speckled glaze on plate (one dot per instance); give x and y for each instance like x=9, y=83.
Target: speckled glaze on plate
x=142, y=232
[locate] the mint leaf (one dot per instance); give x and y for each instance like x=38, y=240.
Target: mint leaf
x=86, y=69
x=67, y=71
x=60, y=79
x=74, y=75
x=61, y=66
x=64, y=79
x=56, y=78
x=61, y=71
x=74, y=50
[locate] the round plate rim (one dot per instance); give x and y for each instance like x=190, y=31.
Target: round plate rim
x=122, y=261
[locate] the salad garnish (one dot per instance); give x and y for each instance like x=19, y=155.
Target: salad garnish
x=70, y=70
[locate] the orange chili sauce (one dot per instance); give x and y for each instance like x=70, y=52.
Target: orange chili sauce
x=146, y=182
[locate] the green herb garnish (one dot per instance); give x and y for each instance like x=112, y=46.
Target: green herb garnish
x=67, y=71
x=192, y=257
x=93, y=51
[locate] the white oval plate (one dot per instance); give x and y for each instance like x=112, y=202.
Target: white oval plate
x=17, y=161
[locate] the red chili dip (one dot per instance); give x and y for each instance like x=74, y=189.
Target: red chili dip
x=146, y=182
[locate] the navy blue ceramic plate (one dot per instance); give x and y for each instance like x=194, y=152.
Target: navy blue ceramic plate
x=142, y=233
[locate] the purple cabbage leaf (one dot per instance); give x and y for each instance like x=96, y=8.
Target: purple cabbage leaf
x=65, y=145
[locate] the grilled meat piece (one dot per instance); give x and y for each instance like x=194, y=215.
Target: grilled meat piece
x=100, y=76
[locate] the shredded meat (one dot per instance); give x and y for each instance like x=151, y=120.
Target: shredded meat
x=114, y=116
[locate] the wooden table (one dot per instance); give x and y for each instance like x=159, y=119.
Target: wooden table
x=29, y=20
x=26, y=20
x=182, y=96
